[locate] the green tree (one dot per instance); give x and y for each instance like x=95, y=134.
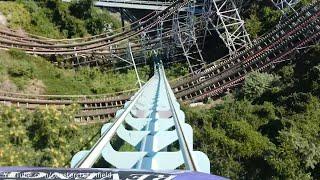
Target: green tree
x=270, y=17
x=257, y=83
x=253, y=25
x=298, y=152
x=98, y=22
x=81, y=9
x=39, y=138
x=68, y=24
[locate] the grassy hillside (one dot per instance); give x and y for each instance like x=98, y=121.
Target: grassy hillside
x=24, y=73
x=19, y=17
x=55, y=19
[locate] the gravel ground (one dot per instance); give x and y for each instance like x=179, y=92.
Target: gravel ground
x=3, y=20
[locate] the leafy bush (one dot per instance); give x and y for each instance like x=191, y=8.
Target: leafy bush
x=257, y=83
x=253, y=26
x=261, y=16
x=96, y=20
x=15, y=53
x=40, y=24
x=270, y=17
x=176, y=70
x=81, y=9
x=22, y=70
x=56, y=19
x=40, y=138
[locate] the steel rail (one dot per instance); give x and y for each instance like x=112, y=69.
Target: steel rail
x=115, y=56
x=49, y=40
x=219, y=90
x=311, y=34
x=184, y=146
x=69, y=51
x=234, y=61
x=226, y=59
x=66, y=97
x=95, y=152
x=10, y=33
x=117, y=50
x=108, y=100
x=123, y=35
x=24, y=40
x=114, y=50
x=207, y=78
x=221, y=76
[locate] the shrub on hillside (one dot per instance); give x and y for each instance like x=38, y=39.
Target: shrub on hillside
x=16, y=53
x=19, y=71
x=20, y=68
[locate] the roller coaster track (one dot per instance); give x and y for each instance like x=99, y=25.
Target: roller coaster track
x=296, y=32
x=44, y=40
x=93, y=58
x=92, y=107
x=42, y=46
x=132, y=4
x=299, y=30
x=156, y=122
x=92, y=45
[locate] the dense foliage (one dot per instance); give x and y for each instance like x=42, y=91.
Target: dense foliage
x=176, y=70
x=262, y=16
x=45, y=137
x=56, y=19
x=269, y=130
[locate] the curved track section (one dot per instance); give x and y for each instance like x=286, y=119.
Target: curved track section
x=300, y=30
x=93, y=45
x=92, y=107
x=105, y=49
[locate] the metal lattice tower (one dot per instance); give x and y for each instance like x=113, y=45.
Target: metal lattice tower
x=185, y=37
x=229, y=24
x=284, y=4
x=221, y=16
x=160, y=35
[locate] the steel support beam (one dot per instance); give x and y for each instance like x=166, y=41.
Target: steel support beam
x=185, y=37
x=285, y=4
x=229, y=25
